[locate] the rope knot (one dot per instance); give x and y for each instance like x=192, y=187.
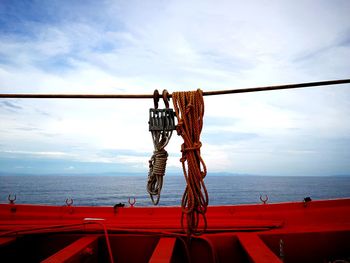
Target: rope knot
x=183, y=159
x=189, y=107
x=183, y=149
x=196, y=146
x=179, y=128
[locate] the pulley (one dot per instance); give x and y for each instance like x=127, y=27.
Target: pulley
x=161, y=119
x=161, y=125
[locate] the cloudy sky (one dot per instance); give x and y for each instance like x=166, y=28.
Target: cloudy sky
x=138, y=46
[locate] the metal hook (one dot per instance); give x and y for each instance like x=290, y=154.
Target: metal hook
x=264, y=200
x=70, y=202
x=132, y=203
x=156, y=98
x=166, y=99
x=11, y=201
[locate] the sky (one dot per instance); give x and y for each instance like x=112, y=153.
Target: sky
x=135, y=47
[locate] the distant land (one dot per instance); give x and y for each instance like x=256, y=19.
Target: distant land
x=167, y=174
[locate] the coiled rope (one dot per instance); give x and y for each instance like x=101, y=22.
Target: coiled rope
x=189, y=110
x=157, y=164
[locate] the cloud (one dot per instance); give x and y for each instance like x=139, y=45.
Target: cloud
x=136, y=47
x=123, y=152
x=341, y=41
x=36, y=153
x=11, y=106
x=222, y=137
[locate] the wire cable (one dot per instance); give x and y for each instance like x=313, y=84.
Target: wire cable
x=150, y=96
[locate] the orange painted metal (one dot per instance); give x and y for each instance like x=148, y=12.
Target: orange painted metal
x=316, y=231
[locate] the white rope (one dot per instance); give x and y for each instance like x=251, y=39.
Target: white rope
x=157, y=164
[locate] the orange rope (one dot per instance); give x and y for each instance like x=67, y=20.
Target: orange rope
x=189, y=110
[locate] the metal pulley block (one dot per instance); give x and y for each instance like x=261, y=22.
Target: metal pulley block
x=161, y=120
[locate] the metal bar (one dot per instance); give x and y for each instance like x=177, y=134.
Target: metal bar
x=150, y=96
x=256, y=249
x=279, y=87
x=163, y=251
x=78, y=251
x=4, y=241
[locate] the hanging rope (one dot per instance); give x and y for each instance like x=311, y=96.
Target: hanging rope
x=157, y=164
x=189, y=110
x=161, y=130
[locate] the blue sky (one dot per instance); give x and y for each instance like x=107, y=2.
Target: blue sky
x=138, y=46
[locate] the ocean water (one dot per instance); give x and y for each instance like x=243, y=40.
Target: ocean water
x=223, y=190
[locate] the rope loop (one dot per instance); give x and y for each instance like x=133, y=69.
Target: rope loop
x=179, y=127
x=189, y=107
x=158, y=162
x=157, y=165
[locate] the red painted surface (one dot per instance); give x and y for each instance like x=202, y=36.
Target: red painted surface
x=318, y=231
x=164, y=250
x=4, y=241
x=256, y=249
x=77, y=251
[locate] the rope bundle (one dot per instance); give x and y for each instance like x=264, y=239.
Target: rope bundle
x=157, y=164
x=189, y=110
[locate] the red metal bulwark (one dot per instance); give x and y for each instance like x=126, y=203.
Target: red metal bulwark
x=317, y=231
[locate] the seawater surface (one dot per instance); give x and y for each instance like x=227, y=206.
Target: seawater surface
x=223, y=190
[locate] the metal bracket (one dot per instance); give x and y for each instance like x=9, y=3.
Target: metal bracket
x=70, y=202
x=264, y=201
x=132, y=203
x=11, y=200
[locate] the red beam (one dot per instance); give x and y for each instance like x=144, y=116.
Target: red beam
x=75, y=252
x=256, y=249
x=163, y=251
x=4, y=241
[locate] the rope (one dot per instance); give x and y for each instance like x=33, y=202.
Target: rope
x=105, y=231
x=157, y=164
x=189, y=110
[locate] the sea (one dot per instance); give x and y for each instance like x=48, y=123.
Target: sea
x=108, y=190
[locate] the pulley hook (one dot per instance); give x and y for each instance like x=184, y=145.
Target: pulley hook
x=166, y=98
x=156, y=98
